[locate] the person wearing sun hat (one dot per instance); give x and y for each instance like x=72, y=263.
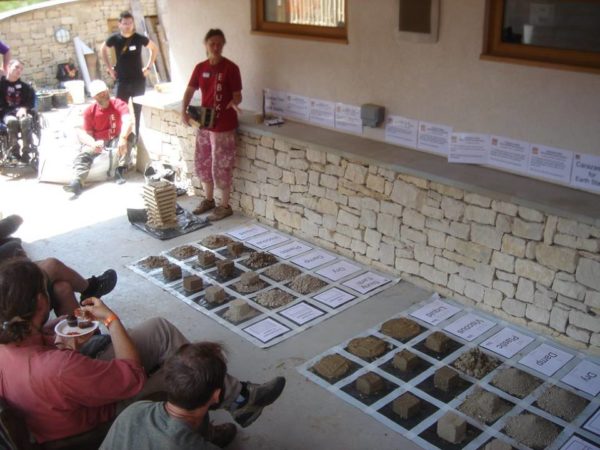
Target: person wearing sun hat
x=106, y=125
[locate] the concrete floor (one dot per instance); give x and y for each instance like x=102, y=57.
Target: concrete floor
x=92, y=233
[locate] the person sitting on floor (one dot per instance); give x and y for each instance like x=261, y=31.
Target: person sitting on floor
x=62, y=393
x=107, y=125
x=17, y=102
x=62, y=281
x=195, y=378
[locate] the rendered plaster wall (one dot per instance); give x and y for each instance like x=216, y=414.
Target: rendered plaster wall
x=445, y=82
x=31, y=34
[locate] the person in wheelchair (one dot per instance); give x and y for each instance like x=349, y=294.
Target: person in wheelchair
x=107, y=125
x=17, y=103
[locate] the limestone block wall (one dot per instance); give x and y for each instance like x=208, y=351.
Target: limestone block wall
x=534, y=269
x=31, y=34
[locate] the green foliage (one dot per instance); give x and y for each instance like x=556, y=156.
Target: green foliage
x=7, y=5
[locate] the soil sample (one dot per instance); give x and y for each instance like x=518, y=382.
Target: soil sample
x=184, y=252
x=206, y=259
x=192, y=284
x=215, y=295
x=437, y=342
x=407, y=406
x=305, y=284
x=282, y=272
x=274, y=298
x=171, y=272
x=406, y=361
x=258, y=260
x=475, y=363
x=249, y=282
x=445, y=379
x=497, y=444
x=516, y=382
x=367, y=347
x=531, y=430
x=225, y=268
x=452, y=428
x=153, y=262
x=331, y=367
x=239, y=310
x=370, y=384
x=562, y=403
x=216, y=241
x=484, y=406
x=402, y=328
x=235, y=249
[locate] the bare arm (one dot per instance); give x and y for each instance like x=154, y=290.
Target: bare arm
x=87, y=139
x=187, y=98
x=5, y=61
x=153, y=50
x=105, y=58
x=235, y=101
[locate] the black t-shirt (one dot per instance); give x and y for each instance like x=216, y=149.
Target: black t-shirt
x=14, y=95
x=129, y=55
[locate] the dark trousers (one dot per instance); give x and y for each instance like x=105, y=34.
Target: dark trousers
x=132, y=88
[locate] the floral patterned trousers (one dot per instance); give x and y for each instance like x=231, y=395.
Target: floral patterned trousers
x=215, y=157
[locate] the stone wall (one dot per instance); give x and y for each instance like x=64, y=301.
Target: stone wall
x=531, y=268
x=31, y=34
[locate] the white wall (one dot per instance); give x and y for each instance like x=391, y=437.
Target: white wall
x=444, y=82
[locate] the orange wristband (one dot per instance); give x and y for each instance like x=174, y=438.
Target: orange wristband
x=110, y=319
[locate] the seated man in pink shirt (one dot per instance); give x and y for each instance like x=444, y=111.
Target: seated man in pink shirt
x=62, y=393
x=106, y=125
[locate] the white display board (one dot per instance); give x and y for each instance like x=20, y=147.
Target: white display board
x=345, y=283
x=469, y=329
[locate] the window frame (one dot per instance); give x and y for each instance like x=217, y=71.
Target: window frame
x=494, y=49
x=290, y=30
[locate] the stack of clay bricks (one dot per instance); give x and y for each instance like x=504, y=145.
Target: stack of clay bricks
x=160, y=198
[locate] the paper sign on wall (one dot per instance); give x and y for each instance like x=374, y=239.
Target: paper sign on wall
x=322, y=113
x=434, y=138
x=508, y=153
x=297, y=107
x=402, y=131
x=347, y=118
x=468, y=148
x=586, y=172
x=275, y=102
x=549, y=162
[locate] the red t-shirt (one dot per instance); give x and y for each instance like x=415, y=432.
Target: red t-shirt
x=105, y=123
x=61, y=393
x=217, y=84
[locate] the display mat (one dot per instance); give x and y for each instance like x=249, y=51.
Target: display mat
x=344, y=283
x=551, y=365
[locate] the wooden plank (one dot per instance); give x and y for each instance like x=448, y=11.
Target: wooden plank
x=160, y=66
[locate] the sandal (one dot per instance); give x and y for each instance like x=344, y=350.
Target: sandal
x=220, y=212
x=205, y=205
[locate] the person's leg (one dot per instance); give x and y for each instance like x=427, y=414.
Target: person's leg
x=203, y=165
x=81, y=168
x=95, y=286
x=224, y=150
x=138, y=88
x=62, y=298
x=12, y=125
x=26, y=127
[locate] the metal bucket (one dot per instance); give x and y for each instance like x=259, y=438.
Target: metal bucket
x=60, y=98
x=44, y=101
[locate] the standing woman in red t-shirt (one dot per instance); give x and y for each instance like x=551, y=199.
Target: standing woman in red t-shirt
x=220, y=83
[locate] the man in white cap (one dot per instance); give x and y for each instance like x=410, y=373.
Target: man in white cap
x=106, y=125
